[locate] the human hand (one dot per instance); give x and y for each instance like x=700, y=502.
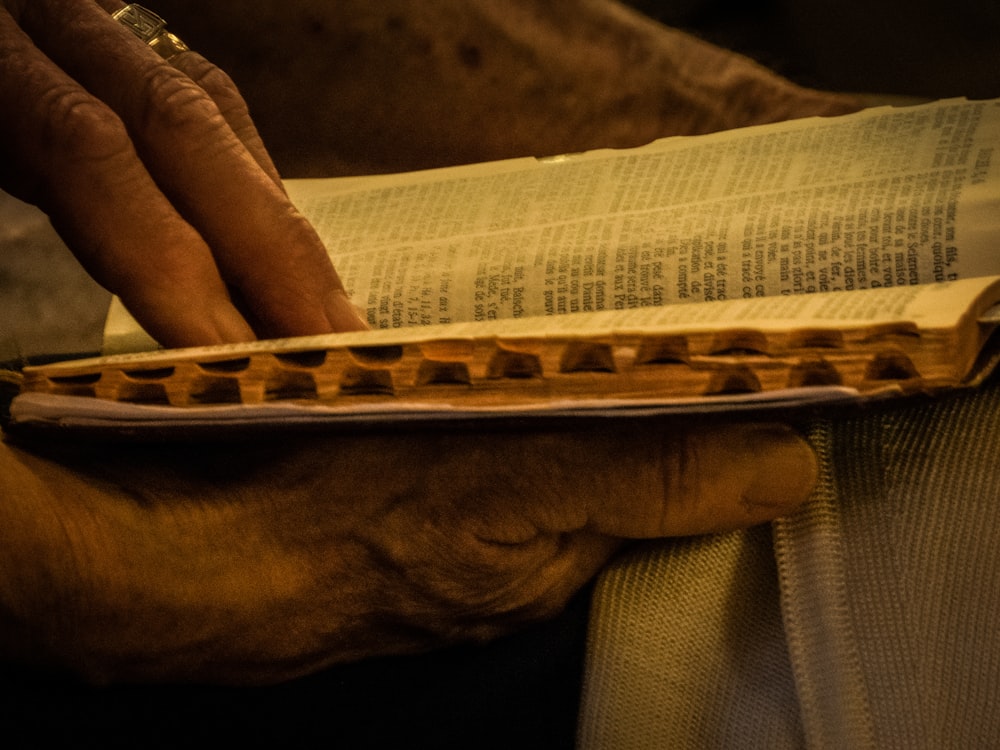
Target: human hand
x=254, y=562
x=154, y=175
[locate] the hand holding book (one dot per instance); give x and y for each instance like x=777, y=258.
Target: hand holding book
x=254, y=562
x=792, y=260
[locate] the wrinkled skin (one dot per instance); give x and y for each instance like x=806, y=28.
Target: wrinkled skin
x=156, y=179
x=257, y=562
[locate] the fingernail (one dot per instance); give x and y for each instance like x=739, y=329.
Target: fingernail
x=786, y=468
x=342, y=314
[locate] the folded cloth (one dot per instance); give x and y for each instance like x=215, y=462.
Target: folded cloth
x=867, y=619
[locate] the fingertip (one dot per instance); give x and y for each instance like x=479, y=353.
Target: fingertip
x=230, y=326
x=726, y=477
x=343, y=314
x=786, y=470
x=195, y=326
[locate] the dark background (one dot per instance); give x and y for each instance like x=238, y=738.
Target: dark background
x=925, y=48
x=521, y=691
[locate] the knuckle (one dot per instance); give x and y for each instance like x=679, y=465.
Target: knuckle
x=78, y=127
x=172, y=103
x=217, y=84
x=214, y=79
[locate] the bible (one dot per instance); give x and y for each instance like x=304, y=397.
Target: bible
x=810, y=261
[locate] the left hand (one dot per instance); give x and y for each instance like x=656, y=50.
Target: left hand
x=257, y=562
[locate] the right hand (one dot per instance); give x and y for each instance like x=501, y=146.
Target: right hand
x=154, y=175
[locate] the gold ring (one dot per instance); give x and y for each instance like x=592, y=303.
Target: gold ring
x=151, y=29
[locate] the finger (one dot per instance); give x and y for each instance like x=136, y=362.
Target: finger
x=714, y=479
x=730, y=477
x=86, y=175
x=643, y=480
x=262, y=245
x=586, y=492
x=504, y=526
x=220, y=87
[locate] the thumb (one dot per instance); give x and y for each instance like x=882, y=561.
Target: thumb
x=713, y=479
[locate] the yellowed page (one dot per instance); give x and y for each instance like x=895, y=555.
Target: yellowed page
x=934, y=307
x=886, y=197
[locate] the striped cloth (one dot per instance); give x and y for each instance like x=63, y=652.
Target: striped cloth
x=869, y=619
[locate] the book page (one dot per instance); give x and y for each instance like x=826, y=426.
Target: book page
x=930, y=310
x=768, y=225
x=889, y=197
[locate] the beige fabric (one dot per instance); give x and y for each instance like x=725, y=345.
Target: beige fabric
x=872, y=621
x=819, y=628
x=922, y=568
x=683, y=634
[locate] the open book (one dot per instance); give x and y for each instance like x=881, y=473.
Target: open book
x=818, y=259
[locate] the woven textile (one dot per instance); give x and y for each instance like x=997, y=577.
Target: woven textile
x=871, y=618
